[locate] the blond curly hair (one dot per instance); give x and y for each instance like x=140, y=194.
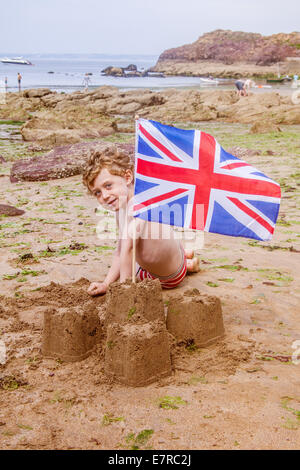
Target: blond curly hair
x=110, y=156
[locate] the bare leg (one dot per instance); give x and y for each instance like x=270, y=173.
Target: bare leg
x=189, y=254
x=193, y=265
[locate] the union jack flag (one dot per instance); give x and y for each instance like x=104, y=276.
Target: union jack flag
x=185, y=178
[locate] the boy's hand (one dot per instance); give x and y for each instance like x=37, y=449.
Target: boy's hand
x=97, y=288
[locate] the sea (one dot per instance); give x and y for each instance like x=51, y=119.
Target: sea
x=65, y=72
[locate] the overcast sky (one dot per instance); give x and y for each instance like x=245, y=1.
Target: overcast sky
x=133, y=26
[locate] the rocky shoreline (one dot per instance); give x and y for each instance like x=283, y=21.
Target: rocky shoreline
x=50, y=118
x=204, y=68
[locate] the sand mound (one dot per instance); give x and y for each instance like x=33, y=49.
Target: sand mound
x=126, y=331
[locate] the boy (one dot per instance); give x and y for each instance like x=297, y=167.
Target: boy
x=109, y=176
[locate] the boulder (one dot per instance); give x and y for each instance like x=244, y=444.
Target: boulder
x=68, y=128
x=131, y=67
x=37, y=92
x=61, y=162
x=264, y=127
x=10, y=210
x=242, y=153
x=114, y=71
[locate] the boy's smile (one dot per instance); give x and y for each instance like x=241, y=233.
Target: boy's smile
x=112, y=191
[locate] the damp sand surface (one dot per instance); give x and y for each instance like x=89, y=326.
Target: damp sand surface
x=241, y=393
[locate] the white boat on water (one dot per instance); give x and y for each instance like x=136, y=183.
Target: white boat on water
x=16, y=60
x=209, y=81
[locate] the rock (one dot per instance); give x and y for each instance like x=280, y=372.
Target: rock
x=113, y=71
x=60, y=162
x=2, y=159
x=67, y=120
x=36, y=92
x=195, y=318
x=242, y=153
x=46, y=130
x=264, y=127
x=10, y=210
x=104, y=92
x=51, y=138
x=131, y=67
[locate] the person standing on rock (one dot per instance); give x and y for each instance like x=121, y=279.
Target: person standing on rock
x=19, y=81
x=240, y=85
x=86, y=81
x=6, y=84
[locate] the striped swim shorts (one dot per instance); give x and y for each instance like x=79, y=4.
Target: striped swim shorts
x=167, y=282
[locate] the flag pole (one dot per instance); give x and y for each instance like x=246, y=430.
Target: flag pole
x=133, y=251
x=134, y=221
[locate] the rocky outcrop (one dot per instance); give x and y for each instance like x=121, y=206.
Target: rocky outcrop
x=230, y=47
x=233, y=54
x=60, y=162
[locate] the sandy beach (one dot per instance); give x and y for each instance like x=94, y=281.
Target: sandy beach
x=239, y=393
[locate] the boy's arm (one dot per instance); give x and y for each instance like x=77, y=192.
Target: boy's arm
x=139, y=226
x=126, y=259
x=114, y=271
x=113, y=274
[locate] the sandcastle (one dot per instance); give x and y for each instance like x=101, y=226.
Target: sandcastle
x=137, y=350
x=70, y=334
x=195, y=318
x=135, y=323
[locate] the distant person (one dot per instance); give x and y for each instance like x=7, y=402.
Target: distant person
x=86, y=81
x=248, y=84
x=6, y=84
x=19, y=81
x=240, y=85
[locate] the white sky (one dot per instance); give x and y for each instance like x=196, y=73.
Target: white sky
x=133, y=26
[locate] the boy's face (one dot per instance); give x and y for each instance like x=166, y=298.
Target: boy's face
x=112, y=191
